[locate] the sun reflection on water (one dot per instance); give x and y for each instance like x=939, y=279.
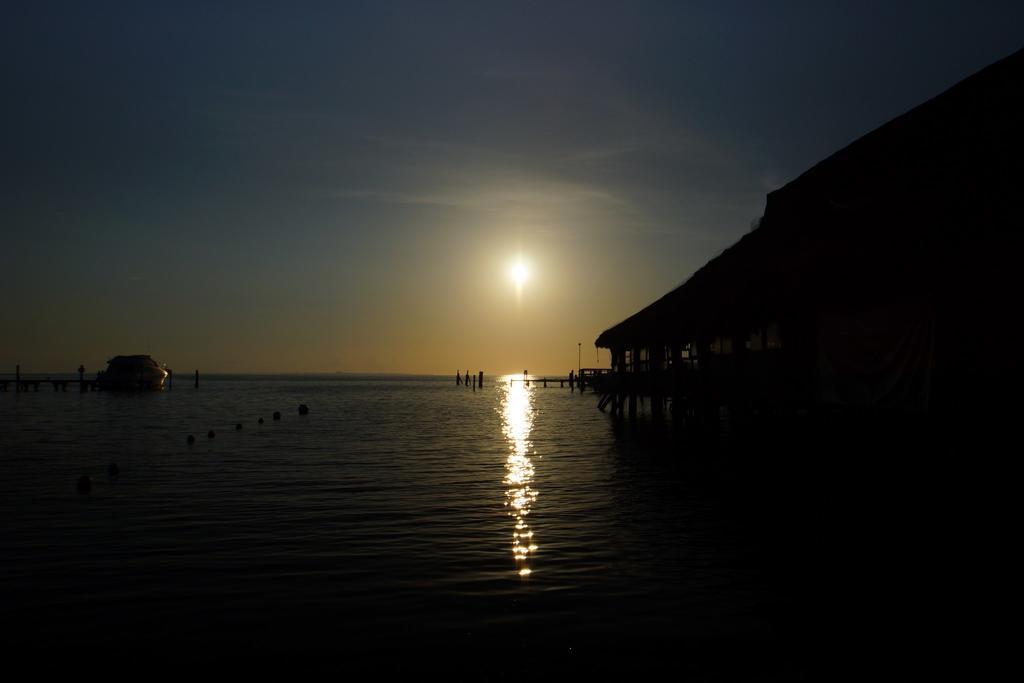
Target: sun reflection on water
x=517, y=423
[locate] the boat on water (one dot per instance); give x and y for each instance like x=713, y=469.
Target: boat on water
x=133, y=373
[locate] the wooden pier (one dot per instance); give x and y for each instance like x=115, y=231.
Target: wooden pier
x=582, y=380
x=24, y=384
x=58, y=384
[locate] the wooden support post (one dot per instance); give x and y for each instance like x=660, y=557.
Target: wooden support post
x=197, y=379
x=656, y=372
x=480, y=381
x=657, y=406
x=17, y=378
x=81, y=378
x=635, y=374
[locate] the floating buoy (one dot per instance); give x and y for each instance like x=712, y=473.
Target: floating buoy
x=260, y=421
x=210, y=434
x=113, y=470
x=277, y=415
x=191, y=439
x=238, y=426
x=303, y=409
x=84, y=484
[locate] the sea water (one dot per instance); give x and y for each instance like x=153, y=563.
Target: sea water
x=401, y=514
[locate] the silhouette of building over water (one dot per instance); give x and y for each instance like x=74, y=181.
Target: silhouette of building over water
x=887, y=276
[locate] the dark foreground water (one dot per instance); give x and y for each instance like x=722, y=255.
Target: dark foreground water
x=403, y=522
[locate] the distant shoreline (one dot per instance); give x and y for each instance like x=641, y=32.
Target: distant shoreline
x=283, y=375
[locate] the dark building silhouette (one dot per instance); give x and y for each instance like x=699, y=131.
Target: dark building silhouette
x=887, y=276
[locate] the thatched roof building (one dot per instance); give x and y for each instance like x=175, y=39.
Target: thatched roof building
x=888, y=274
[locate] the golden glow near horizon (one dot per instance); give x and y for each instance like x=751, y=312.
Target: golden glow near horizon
x=517, y=424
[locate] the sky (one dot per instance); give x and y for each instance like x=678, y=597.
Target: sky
x=321, y=187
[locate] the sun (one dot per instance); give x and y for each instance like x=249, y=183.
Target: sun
x=519, y=273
